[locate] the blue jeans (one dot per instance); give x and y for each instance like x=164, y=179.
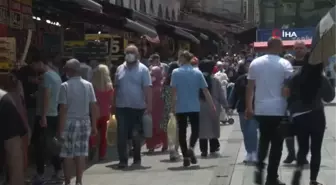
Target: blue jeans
x=249, y=129
x=129, y=126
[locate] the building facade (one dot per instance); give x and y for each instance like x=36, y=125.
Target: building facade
x=292, y=13
x=165, y=9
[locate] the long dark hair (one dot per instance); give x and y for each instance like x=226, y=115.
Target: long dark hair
x=206, y=67
x=171, y=68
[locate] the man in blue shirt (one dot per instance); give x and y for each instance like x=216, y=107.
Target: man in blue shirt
x=133, y=98
x=186, y=84
x=46, y=116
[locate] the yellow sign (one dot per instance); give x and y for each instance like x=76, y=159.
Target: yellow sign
x=97, y=36
x=26, y=2
x=184, y=45
x=7, y=52
x=74, y=43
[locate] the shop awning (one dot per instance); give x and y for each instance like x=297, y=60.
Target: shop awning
x=286, y=43
x=90, y=4
x=134, y=19
x=175, y=31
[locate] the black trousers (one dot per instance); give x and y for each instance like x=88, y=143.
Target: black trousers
x=310, y=127
x=290, y=144
x=214, y=145
x=182, y=122
x=269, y=135
x=40, y=137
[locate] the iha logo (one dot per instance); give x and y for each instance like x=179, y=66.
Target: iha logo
x=283, y=34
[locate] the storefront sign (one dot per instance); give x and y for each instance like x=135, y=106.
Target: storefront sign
x=285, y=34
x=117, y=47
x=7, y=53
x=15, y=16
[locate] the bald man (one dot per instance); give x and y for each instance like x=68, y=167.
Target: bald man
x=265, y=103
x=133, y=99
x=300, y=53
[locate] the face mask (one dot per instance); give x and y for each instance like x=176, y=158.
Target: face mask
x=130, y=58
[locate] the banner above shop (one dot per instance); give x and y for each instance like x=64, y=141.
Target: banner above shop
x=285, y=34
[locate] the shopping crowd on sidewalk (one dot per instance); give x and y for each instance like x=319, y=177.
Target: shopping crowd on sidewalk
x=65, y=113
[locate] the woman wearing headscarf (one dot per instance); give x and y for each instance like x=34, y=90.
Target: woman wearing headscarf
x=166, y=96
x=248, y=126
x=159, y=138
x=209, y=128
x=307, y=90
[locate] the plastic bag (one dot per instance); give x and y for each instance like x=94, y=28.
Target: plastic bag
x=147, y=125
x=112, y=131
x=172, y=129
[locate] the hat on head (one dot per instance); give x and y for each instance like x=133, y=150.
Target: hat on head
x=72, y=64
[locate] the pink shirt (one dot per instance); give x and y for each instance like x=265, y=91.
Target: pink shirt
x=104, y=101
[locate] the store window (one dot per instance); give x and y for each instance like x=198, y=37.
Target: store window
x=135, y=5
x=151, y=6
x=167, y=14
x=160, y=11
x=143, y=6
x=173, y=16
x=120, y=2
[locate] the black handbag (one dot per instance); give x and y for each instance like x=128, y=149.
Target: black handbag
x=286, y=128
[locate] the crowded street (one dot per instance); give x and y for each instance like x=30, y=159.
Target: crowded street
x=226, y=169
x=167, y=92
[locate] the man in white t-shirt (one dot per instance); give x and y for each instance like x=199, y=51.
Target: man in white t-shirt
x=266, y=77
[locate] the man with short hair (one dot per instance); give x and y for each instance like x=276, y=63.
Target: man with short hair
x=85, y=70
x=266, y=77
x=154, y=60
x=133, y=99
x=46, y=120
x=77, y=102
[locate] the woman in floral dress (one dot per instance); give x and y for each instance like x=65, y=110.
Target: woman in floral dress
x=167, y=99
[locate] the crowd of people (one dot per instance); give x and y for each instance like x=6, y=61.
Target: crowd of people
x=70, y=108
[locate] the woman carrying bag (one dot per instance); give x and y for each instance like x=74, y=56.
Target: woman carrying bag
x=209, y=130
x=307, y=90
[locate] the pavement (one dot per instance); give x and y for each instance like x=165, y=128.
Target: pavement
x=226, y=169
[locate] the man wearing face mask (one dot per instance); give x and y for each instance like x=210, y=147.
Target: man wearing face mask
x=133, y=99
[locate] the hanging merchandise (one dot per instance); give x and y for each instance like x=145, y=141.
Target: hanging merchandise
x=15, y=16
x=7, y=53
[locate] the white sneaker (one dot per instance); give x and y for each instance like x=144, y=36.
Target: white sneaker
x=254, y=157
x=248, y=158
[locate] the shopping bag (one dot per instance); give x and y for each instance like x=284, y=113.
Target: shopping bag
x=112, y=131
x=147, y=125
x=172, y=129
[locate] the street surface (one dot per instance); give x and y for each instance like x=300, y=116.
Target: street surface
x=225, y=170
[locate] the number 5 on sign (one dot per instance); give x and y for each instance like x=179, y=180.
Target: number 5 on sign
x=115, y=46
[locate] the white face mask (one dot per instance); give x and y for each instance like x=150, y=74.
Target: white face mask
x=130, y=57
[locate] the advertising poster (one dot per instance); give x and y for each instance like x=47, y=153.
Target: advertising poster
x=7, y=53
x=15, y=16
